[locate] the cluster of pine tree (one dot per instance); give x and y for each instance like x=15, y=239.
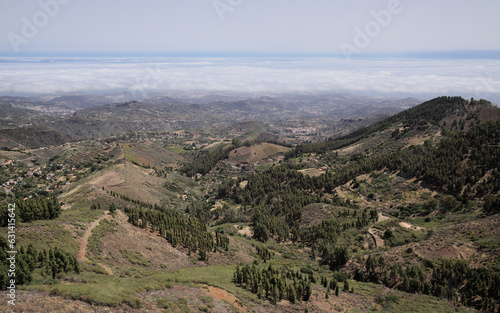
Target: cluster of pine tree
x=163, y=172
x=265, y=224
x=52, y=262
x=274, y=284
x=293, y=189
x=278, y=195
x=329, y=228
x=39, y=208
x=221, y=241
x=333, y=256
x=178, y=229
x=446, y=278
x=491, y=205
x=332, y=285
x=204, y=163
x=460, y=160
x=200, y=210
x=128, y=199
x=264, y=253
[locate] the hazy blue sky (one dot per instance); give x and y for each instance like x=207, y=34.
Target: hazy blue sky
x=269, y=27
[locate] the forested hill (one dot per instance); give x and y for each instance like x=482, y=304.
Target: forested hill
x=462, y=114
x=462, y=164
x=442, y=168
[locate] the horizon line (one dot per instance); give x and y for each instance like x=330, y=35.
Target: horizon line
x=455, y=54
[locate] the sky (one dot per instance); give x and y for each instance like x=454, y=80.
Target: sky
x=236, y=27
x=394, y=47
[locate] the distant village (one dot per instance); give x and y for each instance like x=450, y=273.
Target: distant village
x=47, y=177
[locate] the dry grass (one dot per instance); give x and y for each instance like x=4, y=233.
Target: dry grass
x=255, y=153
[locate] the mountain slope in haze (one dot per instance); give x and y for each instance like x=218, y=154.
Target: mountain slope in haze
x=82, y=117
x=436, y=112
x=32, y=137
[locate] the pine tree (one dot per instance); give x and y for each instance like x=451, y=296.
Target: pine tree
x=333, y=284
x=292, y=296
x=346, y=286
x=307, y=292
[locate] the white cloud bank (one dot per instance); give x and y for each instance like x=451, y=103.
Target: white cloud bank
x=140, y=76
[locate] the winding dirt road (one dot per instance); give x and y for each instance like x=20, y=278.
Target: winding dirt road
x=84, y=241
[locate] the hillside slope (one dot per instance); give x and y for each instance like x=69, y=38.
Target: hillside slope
x=398, y=183
x=399, y=215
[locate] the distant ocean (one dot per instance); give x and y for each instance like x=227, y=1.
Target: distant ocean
x=399, y=77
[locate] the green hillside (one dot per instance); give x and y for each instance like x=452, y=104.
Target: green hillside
x=399, y=216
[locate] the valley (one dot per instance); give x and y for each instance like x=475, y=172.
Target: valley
x=258, y=204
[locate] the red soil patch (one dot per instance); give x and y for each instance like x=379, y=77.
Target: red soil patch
x=223, y=295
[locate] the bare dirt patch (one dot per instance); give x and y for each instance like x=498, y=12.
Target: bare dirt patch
x=42, y=302
x=223, y=295
x=213, y=145
x=243, y=184
x=311, y=172
x=194, y=297
x=109, y=179
x=382, y=217
x=457, y=250
x=65, y=206
x=149, y=153
x=349, y=150
x=419, y=140
x=133, y=181
x=315, y=213
x=489, y=114
x=345, y=302
x=410, y=226
x=238, y=253
x=107, y=269
x=246, y=230
x=255, y=153
x=143, y=243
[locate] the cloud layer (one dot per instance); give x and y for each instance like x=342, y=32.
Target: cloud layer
x=143, y=76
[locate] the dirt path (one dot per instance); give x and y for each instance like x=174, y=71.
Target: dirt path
x=221, y=294
x=65, y=206
x=106, y=268
x=376, y=234
x=379, y=242
x=83, y=242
